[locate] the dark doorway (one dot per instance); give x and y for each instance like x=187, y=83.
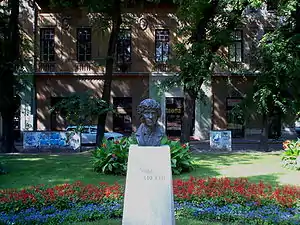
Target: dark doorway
x=174, y=114
x=122, y=118
x=234, y=122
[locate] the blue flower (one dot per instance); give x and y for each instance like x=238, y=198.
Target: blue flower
x=270, y=213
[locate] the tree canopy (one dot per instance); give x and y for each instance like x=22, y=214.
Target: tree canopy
x=206, y=25
x=275, y=90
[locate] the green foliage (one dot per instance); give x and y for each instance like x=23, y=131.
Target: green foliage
x=276, y=87
x=193, y=66
x=205, y=26
x=81, y=108
x=112, y=156
x=291, y=155
x=278, y=70
x=181, y=158
x=277, y=66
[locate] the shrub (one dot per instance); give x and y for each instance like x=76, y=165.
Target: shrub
x=112, y=156
x=291, y=155
x=181, y=157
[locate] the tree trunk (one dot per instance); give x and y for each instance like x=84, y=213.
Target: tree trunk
x=35, y=65
x=11, y=55
x=189, y=95
x=187, y=120
x=264, y=133
x=117, y=21
x=8, y=133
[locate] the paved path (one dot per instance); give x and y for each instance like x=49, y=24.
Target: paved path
x=236, y=147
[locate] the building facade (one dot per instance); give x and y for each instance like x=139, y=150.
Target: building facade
x=68, y=56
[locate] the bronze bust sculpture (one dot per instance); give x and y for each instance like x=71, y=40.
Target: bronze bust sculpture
x=149, y=132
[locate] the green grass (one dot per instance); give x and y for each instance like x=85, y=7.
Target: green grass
x=178, y=222
x=27, y=170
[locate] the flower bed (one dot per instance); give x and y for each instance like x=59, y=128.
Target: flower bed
x=223, y=199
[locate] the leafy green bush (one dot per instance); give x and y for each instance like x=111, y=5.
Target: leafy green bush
x=181, y=158
x=112, y=156
x=291, y=155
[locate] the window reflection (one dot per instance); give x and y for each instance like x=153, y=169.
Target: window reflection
x=162, y=45
x=84, y=44
x=236, y=48
x=47, y=43
x=124, y=46
x=174, y=113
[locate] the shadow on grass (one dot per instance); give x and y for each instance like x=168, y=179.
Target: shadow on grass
x=225, y=159
x=28, y=170
x=271, y=179
x=199, y=171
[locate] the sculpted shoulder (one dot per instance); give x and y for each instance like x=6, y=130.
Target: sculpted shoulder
x=160, y=131
x=140, y=130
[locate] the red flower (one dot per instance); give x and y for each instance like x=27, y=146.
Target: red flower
x=197, y=189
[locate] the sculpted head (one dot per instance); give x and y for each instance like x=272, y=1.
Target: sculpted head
x=149, y=111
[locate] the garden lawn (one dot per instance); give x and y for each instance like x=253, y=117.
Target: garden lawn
x=28, y=170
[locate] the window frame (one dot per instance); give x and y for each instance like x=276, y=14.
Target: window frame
x=121, y=55
x=47, y=41
x=234, y=43
x=87, y=43
x=156, y=35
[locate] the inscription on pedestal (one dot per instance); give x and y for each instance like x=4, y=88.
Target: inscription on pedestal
x=151, y=176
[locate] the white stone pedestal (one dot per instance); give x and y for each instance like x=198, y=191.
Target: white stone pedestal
x=149, y=190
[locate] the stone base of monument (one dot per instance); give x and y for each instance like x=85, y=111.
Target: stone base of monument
x=149, y=191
